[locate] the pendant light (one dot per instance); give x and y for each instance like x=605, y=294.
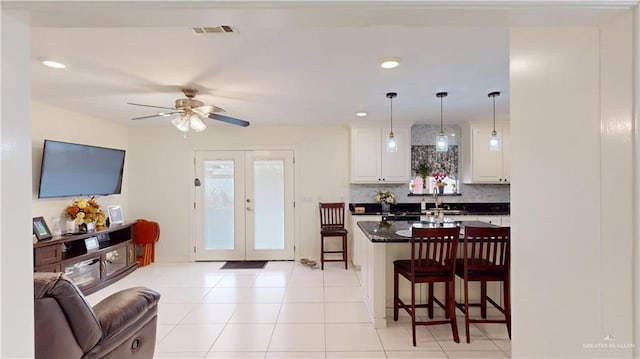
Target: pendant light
x=494, y=140
x=392, y=144
x=442, y=141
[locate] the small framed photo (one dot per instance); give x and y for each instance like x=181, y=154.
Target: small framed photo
x=115, y=214
x=40, y=229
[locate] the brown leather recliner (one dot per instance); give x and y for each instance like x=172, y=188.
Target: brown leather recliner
x=122, y=325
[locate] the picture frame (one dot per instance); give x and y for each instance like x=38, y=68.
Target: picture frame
x=40, y=229
x=115, y=214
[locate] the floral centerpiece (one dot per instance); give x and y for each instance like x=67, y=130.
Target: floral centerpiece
x=439, y=178
x=84, y=212
x=385, y=196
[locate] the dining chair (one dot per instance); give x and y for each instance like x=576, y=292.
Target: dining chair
x=433, y=260
x=486, y=258
x=332, y=225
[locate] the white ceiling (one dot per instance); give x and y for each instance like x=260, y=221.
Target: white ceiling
x=288, y=63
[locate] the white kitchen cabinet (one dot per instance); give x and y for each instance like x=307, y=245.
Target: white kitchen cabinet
x=481, y=165
x=370, y=161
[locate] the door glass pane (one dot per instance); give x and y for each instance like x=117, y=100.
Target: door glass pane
x=268, y=190
x=218, y=204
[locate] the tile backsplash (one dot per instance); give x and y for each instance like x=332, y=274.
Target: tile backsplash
x=422, y=138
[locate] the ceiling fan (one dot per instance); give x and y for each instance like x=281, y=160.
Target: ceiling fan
x=191, y=113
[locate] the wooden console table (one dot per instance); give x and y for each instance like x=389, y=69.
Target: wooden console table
x=92, y=260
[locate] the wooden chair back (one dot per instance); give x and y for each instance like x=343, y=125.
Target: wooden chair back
x=487, y=249
x=433, y=250
x=146, y=232
x=332, y=215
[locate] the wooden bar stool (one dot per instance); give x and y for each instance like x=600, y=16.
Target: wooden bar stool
x=332, y=225
x=487, y=257
x=433, y=258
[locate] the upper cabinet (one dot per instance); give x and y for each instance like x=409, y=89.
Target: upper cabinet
x=481, y=165
x=370, y=161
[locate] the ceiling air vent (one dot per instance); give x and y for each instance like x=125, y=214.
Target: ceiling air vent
x=212, y=29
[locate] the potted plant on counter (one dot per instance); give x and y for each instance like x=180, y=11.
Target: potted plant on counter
x=424, y=171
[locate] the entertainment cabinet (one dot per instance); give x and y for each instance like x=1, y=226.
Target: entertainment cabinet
x=92, y=260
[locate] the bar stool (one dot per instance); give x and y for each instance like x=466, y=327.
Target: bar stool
x=332, y=225
x=433, y=258
x=487, y=257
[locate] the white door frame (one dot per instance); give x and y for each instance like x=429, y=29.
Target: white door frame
x=296, y=191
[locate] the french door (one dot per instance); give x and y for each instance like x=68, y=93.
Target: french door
x=244, y=205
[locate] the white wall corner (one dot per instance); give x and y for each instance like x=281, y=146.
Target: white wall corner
x=16, y=259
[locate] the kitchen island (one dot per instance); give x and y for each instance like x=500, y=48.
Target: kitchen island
x=380, y=243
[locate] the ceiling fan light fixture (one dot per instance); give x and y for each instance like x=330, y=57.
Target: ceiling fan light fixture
x=197, y=124
x=181, y=122
x=191, y=113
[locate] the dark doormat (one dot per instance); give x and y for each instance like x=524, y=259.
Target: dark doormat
x=244, y=265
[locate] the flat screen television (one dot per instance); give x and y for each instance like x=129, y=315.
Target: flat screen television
x=71, y=169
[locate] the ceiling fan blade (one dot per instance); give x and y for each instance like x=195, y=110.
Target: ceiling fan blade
x=139, y=104
x=162, y=114
x=207, y=109
x=227, y=119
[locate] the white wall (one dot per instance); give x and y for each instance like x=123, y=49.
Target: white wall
x=571, y=279
x=161, y=177
x=16, y=258
x=617, y=215
x=62, y=125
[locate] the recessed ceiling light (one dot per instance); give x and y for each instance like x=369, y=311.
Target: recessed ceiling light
x=390, y=62
x=54, y=64
x=453, y=134
x=361, y=114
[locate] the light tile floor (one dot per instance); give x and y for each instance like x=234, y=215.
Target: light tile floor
x=287, y=310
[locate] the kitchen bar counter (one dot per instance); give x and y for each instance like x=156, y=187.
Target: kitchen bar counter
x=378, y=246
x=385, y=232
x=492, y=209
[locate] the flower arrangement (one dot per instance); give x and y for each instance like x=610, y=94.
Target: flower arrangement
x=439, y=177
x=385, y=196
x=86, y=211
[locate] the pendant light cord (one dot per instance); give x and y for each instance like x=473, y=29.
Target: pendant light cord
x=391, y=114
x=493, y=96
x=494, y=114
x=441, y=125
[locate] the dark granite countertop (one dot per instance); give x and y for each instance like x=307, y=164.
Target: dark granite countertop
x=480, y=208
x=385, y=232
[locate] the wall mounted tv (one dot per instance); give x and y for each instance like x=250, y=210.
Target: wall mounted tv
x=70, y=169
